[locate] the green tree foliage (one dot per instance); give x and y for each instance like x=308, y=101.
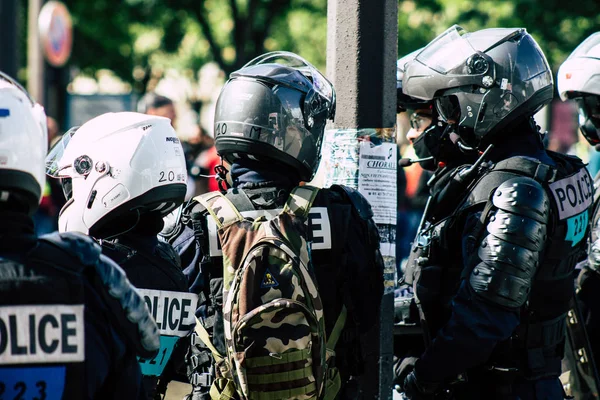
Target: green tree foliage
x=130, y=36
x=557, y=25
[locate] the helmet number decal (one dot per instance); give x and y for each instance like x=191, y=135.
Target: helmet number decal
x=166, y=176
x=221, y=128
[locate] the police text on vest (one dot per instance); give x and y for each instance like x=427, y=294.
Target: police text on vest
x=41, y=334
x=573, y=194
x=174, y=312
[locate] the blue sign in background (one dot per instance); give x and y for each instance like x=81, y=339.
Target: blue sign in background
x=46, y=383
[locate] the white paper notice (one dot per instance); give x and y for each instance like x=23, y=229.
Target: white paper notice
x=377, y=182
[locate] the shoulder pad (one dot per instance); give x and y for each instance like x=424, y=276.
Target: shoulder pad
x=485, y=185
x=523, y=196
x=184, y=215
x=167, y=252
x=569, y=162
x=171, y=223
x=527, y=166
x=77, y=244
x=144, y=335
x=140, y=329
x=360, y=203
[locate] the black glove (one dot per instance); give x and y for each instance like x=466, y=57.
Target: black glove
x=417, y=390
x=403, y=368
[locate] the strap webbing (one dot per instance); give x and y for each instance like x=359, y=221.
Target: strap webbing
x=287, y=376
x=337, y=329
x=301, y=200
x=285, y=358
x=285, y=394
x=333, y=384
x=205, y=337
x=223, y=389
x=220, y=208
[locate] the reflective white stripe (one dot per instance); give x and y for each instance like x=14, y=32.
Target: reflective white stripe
x=319, y=221
x=41, y=334
x=573, y=194
x=172, y=311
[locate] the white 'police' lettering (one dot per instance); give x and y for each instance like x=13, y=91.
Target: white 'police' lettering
x=319, y=222
x=573, y=194
x=172, y=311
x=33, y=334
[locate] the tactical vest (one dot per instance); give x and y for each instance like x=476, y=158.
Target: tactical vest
x=536, y=348
x=161, y=283
x=42, y=334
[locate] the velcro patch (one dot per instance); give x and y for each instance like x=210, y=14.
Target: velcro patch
x=172, y=311
x=41, y=334
x=577, y=227
x=573, y=194
x=156, y=365
x=268, y=280
x=32, y=382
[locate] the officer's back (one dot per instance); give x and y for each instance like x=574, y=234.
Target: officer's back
x=269, y=125
x=70, y=322
x=121, y=201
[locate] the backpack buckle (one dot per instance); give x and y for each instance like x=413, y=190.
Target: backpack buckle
x=194, y=339
x=204, y=379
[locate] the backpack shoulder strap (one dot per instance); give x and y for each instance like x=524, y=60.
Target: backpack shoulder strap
x=301, y=200
x=220, y=208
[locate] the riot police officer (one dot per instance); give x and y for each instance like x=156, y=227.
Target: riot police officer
x=70, y=322
x=269, y=125
x=493, y=279
x=432, y=140
x=578, y=80
x=121, y=173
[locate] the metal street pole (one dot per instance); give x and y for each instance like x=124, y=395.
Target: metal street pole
x=35, y=58
x=360, y=150
x=9, y=32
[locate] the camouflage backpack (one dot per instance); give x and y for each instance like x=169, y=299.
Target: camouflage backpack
x=273, y=315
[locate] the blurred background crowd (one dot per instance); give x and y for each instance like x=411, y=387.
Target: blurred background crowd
x=171, y=57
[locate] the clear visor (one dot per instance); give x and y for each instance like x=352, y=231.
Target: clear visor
x=402, y=63
x=448, y=50
x=53, y=167
x=590, y=47
x=320, y=83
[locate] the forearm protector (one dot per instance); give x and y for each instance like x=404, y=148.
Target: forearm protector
x=510, y=253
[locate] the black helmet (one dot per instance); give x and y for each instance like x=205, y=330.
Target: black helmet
x=405, y=102
x=275, y=108
x=482, y=81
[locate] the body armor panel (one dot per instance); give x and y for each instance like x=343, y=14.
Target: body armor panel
x=519, y=223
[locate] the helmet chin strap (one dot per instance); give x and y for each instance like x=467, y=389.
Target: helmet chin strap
x=222, y=177
x=460, y=143
x=137, y=220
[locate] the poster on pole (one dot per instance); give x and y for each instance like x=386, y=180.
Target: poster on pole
x=377, y=182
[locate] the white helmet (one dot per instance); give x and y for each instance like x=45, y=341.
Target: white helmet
x=579, y=78
x=117, y=165
x=23, y=145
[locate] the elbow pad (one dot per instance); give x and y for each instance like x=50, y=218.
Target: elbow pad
x=510, y=253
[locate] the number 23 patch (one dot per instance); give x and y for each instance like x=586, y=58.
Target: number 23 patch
x=577, y=226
